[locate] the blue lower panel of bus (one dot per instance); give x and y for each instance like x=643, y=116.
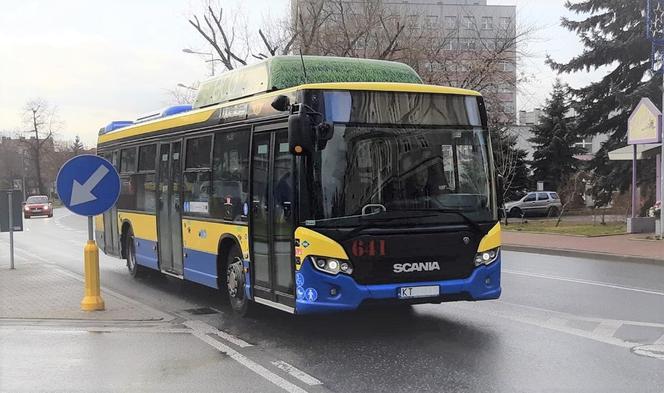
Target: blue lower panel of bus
x=314, y=289
x=200, y=267
x=146, y=254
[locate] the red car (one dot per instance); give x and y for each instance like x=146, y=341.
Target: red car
x=37, y=205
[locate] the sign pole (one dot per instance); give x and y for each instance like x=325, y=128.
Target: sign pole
x=92, y=301
x=11, y=229
x=661, y=171
x=634, y=197
x=89, y=185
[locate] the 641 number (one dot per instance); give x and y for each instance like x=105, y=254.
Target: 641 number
x=369, y=248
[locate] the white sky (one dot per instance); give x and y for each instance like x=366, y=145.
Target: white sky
x=99, y=61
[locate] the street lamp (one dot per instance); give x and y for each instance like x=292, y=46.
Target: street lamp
x=211, y=61
x=186, y=87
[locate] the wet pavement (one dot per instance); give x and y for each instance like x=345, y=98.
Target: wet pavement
x=562, y=325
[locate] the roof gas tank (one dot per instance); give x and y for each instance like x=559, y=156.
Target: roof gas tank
x=165, y=112
x=114, y=125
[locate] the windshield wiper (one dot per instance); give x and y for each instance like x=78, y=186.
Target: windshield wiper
x=472, y=223
x=373, y=220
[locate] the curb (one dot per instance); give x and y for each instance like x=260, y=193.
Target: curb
x=584, y=254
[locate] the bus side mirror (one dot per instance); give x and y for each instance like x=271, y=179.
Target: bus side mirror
x=300, y=132
x=281, y=103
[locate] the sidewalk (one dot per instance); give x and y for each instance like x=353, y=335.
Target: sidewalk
x=617, y=247
x=42, y=291
x=48, y=344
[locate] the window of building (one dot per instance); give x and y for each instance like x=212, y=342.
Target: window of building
x=487, y=22
x=128, y=160
x=412, y=21
x=230, y=176
x=197, y=186
x=432, y=21
x=505, y=22
x=469, y=22
x=504, y=66
x=451, y=22
x=448, y=45
x=469, y=44
x=586, y=144
x=505, y=88
x=508, y=107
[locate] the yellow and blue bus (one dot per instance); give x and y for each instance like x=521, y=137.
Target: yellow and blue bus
x=311, y=185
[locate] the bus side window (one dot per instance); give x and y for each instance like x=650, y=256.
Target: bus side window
x=127, y=198
x=230, y=175
x=197, y=176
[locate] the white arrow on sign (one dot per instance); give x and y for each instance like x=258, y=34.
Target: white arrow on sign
x=82, y=193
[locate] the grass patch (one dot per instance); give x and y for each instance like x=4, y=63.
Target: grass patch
x=568, y=228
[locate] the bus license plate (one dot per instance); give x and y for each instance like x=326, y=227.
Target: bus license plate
x=412, y=292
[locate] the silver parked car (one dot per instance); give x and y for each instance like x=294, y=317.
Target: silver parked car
x=535, y=203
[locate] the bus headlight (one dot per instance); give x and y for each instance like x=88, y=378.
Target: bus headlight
x=486, y=257
x=332, y=266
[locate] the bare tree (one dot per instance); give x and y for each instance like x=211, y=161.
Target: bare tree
x=182, y=94
x=572, y=192
x=41, y=121
x=226, y=34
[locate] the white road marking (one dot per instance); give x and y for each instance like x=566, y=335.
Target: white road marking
x=93, y=329
x=204, y=327
x=297, y=373
x=607, y=328
x=653, y=351
x=581, y=281
x=560, y=328
x=248, y=363
x=582, y=318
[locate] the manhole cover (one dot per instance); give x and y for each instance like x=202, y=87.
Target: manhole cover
x=201, y=311
x=653, y=351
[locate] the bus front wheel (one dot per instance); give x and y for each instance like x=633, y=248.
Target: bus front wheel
x=235, y=283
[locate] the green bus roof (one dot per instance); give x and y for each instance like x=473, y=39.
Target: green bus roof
x=282, y=72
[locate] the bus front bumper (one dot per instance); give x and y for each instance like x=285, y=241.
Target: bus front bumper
x=318, y=292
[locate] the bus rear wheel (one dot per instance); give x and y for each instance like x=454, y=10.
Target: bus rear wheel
x=235, y=282
x=134, y=268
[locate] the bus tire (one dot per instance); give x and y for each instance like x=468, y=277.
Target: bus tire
x=134, y=268
x=235, y=280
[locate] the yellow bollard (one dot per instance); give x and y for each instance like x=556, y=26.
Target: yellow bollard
x=92, y=300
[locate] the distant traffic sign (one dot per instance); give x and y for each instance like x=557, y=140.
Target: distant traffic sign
x=88, y=185
x=15, y=210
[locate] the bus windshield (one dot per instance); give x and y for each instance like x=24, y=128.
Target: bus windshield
x=427, y=168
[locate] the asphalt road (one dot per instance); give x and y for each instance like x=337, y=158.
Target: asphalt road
x=562, y=325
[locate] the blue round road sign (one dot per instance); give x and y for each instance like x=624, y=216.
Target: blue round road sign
x=88, y=185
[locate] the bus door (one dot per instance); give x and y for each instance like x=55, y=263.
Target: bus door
x=271, y=229
x=169, y=223
x=111, y=233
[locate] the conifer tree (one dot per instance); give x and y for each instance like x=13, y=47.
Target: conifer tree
x=613, y=35
x=554, y=138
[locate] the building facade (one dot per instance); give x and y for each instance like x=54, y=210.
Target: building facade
x=459, y=43
x=528, y=119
